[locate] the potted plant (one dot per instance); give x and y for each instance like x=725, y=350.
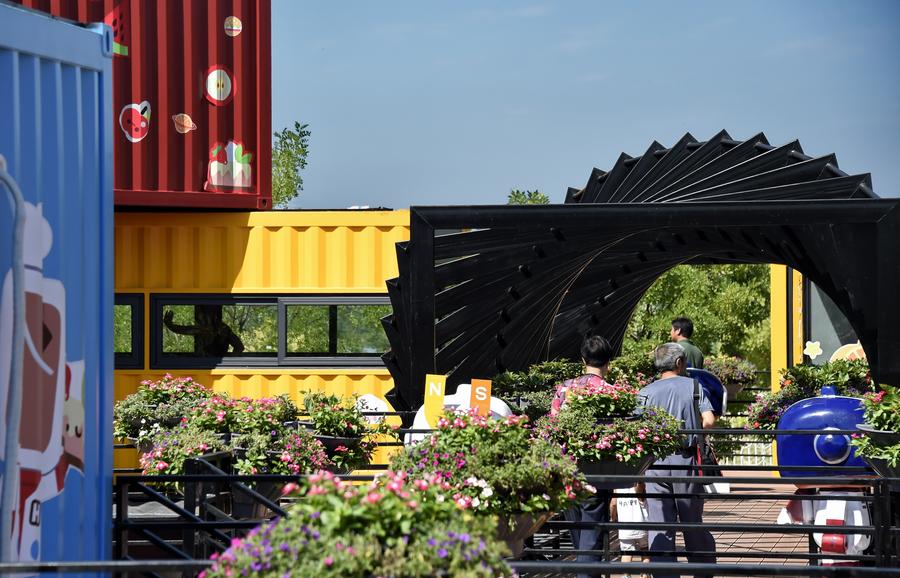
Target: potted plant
x=879, y=444
x=172, y=447
x=616, y=446
x=155, y=405
x=348, y=437
x=273, y=453
x=632, y=368
x=734, y=373
x=497, y=467
x=850, y=378
x=393, y=527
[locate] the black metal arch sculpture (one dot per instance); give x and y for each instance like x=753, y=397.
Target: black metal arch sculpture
x=523, y=283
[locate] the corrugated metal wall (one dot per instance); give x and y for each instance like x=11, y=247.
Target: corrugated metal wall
x=277, y=252
x=55, y=130
x=170, y=114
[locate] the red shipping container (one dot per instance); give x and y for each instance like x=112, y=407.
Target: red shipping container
x=191, y=97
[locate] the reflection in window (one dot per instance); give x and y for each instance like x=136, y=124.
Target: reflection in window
x=359, y=329
x=212, y=330
x=827, y=324
x=122, y=329
x=336, y=329
x=307, y=329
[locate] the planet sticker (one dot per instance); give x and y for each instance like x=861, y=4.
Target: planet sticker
x=233, y=26
x=134, y=120
x=219, y=88
x=183, y=123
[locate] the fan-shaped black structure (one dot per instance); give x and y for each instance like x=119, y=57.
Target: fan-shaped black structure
x=521, y=284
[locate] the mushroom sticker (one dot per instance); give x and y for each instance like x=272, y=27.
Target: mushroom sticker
x=219, y=86
x=134, y=120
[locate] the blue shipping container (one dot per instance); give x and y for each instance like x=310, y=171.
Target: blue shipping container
x=55, y=130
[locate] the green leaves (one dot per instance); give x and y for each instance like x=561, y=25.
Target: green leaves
x=290, y=150
x=535, y=197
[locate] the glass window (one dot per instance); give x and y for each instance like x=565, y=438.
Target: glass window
x=308, y=329
x=827, y=325
x=219, y=330
x=359, y=329
x=123, y=341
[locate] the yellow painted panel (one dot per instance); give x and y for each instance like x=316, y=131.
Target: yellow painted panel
x=260, y=252
x=779, y=322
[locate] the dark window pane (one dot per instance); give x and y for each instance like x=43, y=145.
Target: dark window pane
x=122, y=330
x=178, y=318
x=359, y=329
x=307, y=329
x=827, y=325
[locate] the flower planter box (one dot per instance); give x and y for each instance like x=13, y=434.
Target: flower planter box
x=514, y=530
x=879, y=437
x=331, y=443
x=616, y=468
x=885, y=470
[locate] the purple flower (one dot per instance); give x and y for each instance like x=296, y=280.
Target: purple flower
x=442, y=553
x=431, y=542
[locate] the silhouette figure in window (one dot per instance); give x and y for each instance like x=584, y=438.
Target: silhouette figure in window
x=212, y=336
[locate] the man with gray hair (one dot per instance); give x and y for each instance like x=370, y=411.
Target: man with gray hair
x=675, y=393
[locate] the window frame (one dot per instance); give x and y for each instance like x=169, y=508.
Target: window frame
x=161, y=360
x=135, y=359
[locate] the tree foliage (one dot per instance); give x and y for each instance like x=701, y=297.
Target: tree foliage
x=289, y=152
x=729, y=305
x=535, y=197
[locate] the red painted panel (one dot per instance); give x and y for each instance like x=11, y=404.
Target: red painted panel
x=191, y=97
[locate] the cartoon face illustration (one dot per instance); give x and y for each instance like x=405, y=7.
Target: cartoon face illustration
x=219, y=88
x=134, y=120
x=233, y=26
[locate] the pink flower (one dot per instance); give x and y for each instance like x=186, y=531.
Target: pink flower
x=160, y=466
x=373, y=497
x=328, y=561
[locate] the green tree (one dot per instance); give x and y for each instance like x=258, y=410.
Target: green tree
x=535, y=197
x=289, y=152
x=729, y=305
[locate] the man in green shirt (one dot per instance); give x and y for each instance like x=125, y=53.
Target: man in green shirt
x=682, y=329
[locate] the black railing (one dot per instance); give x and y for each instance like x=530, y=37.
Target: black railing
x=203, y=519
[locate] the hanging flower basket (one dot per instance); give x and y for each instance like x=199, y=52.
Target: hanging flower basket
x=733, y=390
x=616, y=468
x=514, y=530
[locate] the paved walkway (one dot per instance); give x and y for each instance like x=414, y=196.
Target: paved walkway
x=754, y=547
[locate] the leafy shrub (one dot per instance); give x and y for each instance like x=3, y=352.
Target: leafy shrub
x=171, y=447
x=290, y=453
x=635, y=368
x=882, y=412
x=730, y=369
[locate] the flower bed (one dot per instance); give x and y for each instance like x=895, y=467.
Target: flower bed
x=394, y=527
x=156, y=404
x=349, y=438
x=880, y=442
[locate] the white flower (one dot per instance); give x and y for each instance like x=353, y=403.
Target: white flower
x=440, y=497
x=590, y=488
x=487, y=492
x=476, y=502
x=472, y=481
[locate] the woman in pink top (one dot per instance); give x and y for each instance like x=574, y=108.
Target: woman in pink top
x=596, y=352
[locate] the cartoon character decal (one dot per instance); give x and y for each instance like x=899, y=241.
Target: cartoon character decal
x=51, y=435
x=134, y=120
x=229, y=167
x=219, y=85
x=233, y=26
x=118, y=19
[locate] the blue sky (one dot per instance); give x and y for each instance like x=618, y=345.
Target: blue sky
x=457, y=102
